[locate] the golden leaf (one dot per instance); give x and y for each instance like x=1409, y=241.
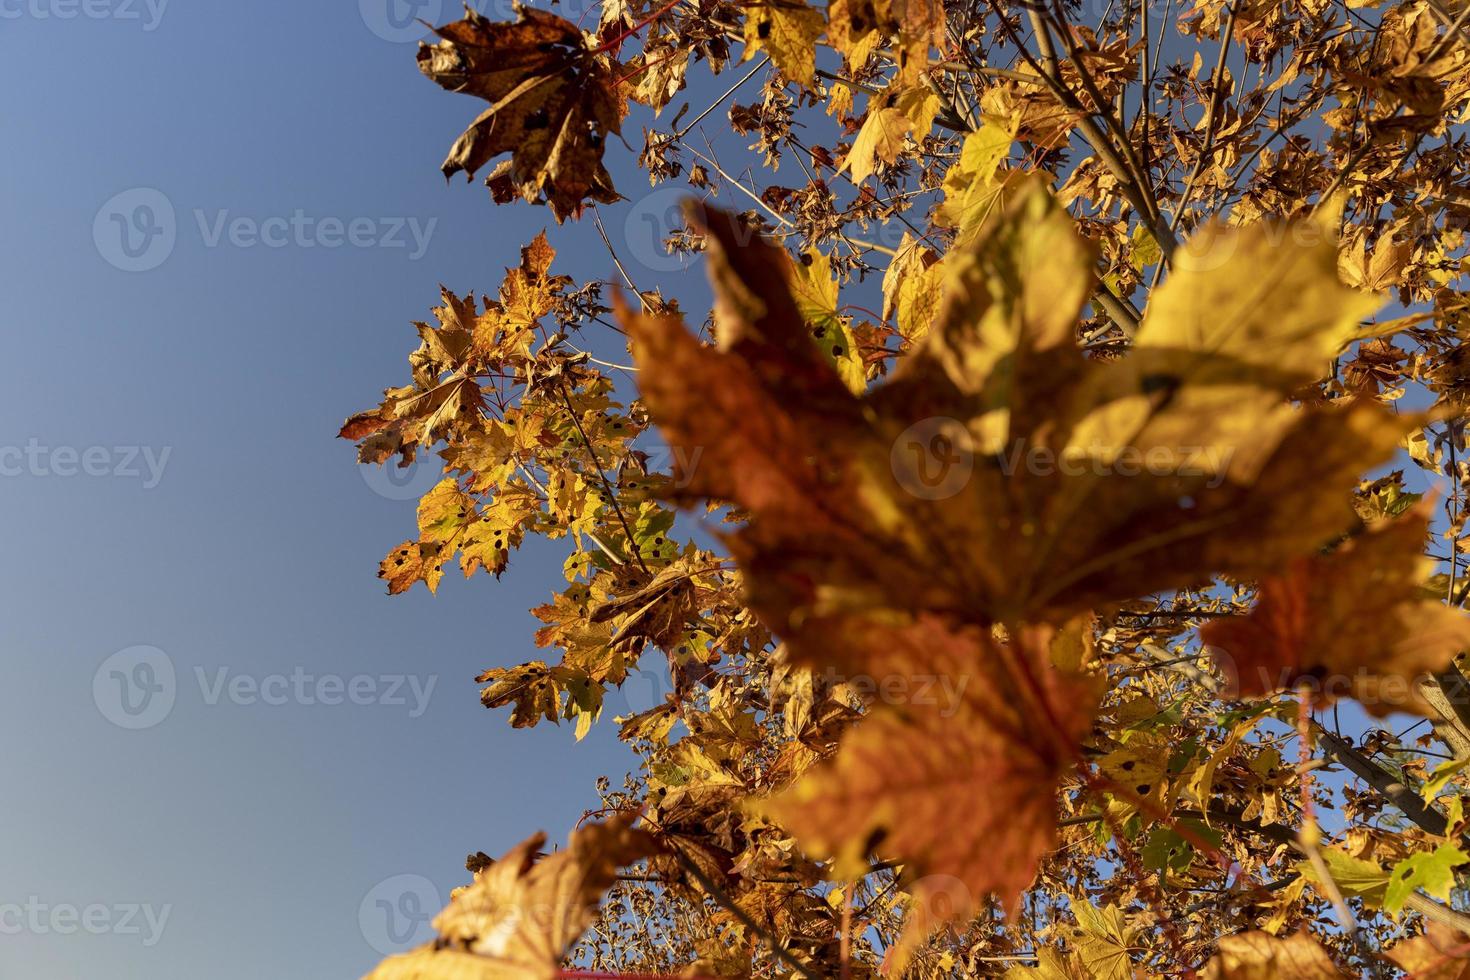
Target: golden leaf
x=787, y=30
x=1441, y=953
x=1261, y=956
x=969, y=726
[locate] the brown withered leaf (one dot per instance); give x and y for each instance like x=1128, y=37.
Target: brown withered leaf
x=1262, y=956
x=1352, y=622
x=522, y=913
x=971, y=726
x=554, y=98
x=1441, y=953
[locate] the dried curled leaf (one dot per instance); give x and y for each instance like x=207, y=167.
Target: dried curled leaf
x=523, y=912
x=554, y=98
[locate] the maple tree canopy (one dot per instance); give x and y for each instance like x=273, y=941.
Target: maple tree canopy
x=1067, y=586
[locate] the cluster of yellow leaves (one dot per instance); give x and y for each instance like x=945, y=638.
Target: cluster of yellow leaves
x=858, y=28
x=445, y=401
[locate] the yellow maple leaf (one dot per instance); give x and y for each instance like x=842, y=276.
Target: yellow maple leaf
x=787, y=30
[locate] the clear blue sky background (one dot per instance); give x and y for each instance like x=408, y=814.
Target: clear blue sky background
x=264, y=829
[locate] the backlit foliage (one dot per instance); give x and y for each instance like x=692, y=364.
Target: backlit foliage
x=1027, y=591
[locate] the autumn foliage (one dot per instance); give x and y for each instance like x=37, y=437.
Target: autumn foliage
x=1029, y=592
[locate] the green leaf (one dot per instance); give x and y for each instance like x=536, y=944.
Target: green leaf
x=1440, y=778
x=1354, y=877
x=1167, y=849
x=1434, y=872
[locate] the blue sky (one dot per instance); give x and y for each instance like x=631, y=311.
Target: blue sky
x=173, y=497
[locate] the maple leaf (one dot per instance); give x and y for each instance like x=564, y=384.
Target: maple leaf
x=987, y=731
x=1052, y=964
x=860, y=502
x=1352, y=877
x=1441, y=953
x=1352, y=622
x=520, y=916
x=554, y=98
x=533, y=687
x=1103, y=941
x=855, y=561
x=858, y=27
x=788, y=31
x=880, y=139
x=412, y=417
x=971, y=187
x=445, y=400
x=1262, y=956
x=451, y=521
x=1433, y=871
